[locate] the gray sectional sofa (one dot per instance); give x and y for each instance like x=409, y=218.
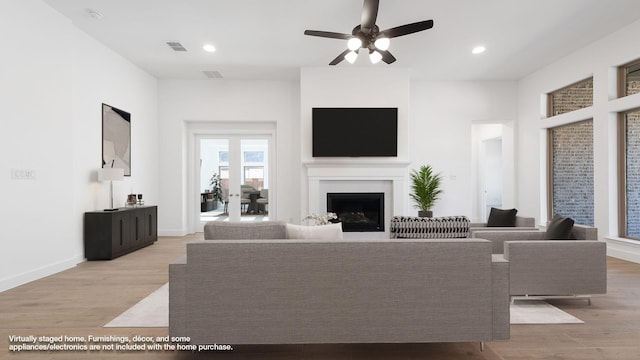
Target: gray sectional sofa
x=298, y=291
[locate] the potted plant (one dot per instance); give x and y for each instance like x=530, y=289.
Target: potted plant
x=216, y=190
x=425, y=187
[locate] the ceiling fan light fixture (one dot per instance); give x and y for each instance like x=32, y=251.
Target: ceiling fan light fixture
x=375, y=57
x=354, y=44
x=382, y=43
x=351, y=57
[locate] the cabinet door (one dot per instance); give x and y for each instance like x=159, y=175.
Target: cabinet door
x=120, y=233
x=137, y=229
x=150, y=231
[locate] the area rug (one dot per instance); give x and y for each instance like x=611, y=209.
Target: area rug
x=539, y=312
x=153, y=311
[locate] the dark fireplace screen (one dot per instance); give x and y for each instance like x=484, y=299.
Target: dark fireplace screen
x=358, y=212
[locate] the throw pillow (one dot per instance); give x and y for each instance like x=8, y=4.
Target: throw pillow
x=559, y=228
x=331, y=231
x=502, y=218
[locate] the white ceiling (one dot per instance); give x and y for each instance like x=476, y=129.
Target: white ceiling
x=263, y=39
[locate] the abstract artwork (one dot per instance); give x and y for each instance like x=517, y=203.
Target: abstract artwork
x=116, y=139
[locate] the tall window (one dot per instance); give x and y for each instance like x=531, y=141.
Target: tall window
x=629, y=141
x=571, y=172
x=629, y=79
x=570, y=98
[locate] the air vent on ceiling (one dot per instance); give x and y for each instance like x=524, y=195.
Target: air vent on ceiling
x=213, y=74
x=176, y=46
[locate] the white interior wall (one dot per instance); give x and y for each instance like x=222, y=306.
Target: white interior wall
x=354, y=87
x=480, y=134
x=599, y=60
x=54, y=80
x=440, y=127
x=347, y=86
x=228, y=102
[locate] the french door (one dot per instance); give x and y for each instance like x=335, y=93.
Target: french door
x=234, y=175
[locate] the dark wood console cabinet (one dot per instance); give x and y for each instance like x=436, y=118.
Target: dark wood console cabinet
x=109, y=234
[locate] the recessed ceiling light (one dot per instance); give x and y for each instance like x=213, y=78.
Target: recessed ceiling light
x=209, y=48
x=478, y=49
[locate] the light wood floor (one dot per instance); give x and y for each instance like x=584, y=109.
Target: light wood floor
x=79, y=301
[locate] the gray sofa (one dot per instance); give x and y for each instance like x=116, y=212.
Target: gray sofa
x=225, y=230
x=296, y=291
x=540, y=267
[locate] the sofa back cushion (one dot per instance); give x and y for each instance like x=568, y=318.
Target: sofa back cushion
x=502, y=218
x=408, y=227
x=337, y=291
x=329, y=231
x=559, y=228
x=223, y=230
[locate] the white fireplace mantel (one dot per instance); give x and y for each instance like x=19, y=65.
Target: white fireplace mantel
x=360, y=172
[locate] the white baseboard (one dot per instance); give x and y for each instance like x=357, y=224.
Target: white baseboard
x=172, y=232
x=39, y=273
x=624, y=249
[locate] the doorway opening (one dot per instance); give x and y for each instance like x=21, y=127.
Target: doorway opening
x=493, y=168
x=229, y=173
x=225, y=175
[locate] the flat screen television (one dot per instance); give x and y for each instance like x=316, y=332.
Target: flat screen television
x=355, y=132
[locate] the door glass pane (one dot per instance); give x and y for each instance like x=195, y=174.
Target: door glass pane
x=255, y=175
x=214, y=177
x=229, y=161
x=254, y=162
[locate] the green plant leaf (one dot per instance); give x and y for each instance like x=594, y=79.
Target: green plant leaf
x=425, y=187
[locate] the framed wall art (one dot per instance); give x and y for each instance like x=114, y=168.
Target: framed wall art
x=116, y=138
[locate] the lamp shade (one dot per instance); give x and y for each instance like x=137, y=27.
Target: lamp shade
x=351, y=56
x=382, y=43
x=375, y=57
x=111, y=174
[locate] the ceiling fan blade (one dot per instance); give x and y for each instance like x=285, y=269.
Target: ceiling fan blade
x=386, y=56
x=407, y=29
x=328, y=34
x=369, y=15
x=339, y=58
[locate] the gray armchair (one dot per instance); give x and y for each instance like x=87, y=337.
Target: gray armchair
x=545, y=268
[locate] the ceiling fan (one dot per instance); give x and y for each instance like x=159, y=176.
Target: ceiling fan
x=368, y=36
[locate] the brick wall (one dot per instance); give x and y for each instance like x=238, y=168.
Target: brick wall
x=572, y=98
x=633, y=174
x=572, y=168
x=633, y=87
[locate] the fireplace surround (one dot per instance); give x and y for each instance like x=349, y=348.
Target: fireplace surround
x=353, y=176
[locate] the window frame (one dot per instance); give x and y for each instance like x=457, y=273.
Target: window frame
x=622, y=174
x=623, y=72
x=550, y=173
x=551, y=94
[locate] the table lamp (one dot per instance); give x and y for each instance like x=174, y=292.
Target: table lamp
x=111, y=175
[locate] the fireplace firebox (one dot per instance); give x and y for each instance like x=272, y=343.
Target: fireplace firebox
x=358, y=212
